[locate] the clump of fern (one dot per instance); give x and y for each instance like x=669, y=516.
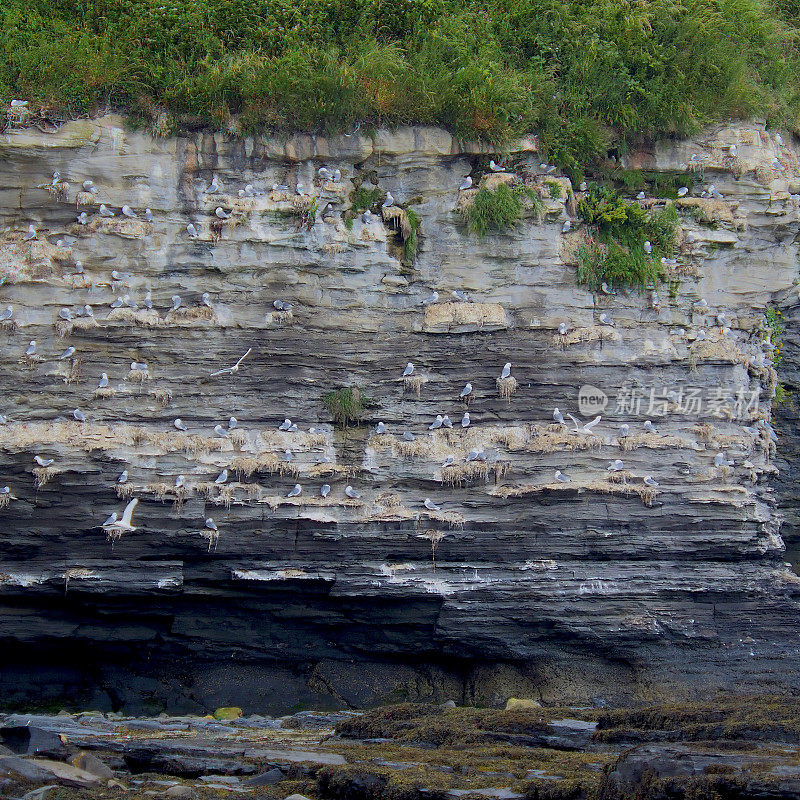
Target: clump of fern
x=500, y=209
x=346, y=405
x=619, y=230
x=412, y=242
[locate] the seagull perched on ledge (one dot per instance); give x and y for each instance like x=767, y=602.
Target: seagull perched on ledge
x=409, y=370
x=430, y=505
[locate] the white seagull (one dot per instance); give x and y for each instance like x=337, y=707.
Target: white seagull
x=221, y=478
x=325, y=490
x=124, y=525
x=235, y=367
x=351, y=492
x=430, y=505
x=296, y=491
x=506, y=373
x=409, y=370
x=178, y=423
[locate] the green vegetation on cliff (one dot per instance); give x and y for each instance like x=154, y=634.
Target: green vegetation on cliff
x=582, y=73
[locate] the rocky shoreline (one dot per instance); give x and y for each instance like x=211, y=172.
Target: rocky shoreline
x=729, y=748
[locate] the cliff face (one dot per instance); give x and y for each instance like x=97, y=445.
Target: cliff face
x=601, y=587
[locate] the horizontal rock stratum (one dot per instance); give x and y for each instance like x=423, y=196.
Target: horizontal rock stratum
x=602, y=587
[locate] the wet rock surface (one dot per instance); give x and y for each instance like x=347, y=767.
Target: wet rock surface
x=599, y=589
x=427, y=752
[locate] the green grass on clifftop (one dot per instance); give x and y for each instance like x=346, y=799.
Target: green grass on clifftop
x=581, y=73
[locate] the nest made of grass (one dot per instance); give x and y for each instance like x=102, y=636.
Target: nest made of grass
x=275, y=502
x=653, y=441
x=138, y=376
x=440, y=316
x=124, y=227
x=722, y=349
x=234, y=493
x=299, y=440
x=246, y=466
x=43, y=475
x=188, y=315
x=414, y=383
x=617, y=487
x=280, y=318
x=162, y=396
x=506, y=387
x=555, y=438
x=398, y=219
x=707, y=210
x=144, y=317
x=592, y=333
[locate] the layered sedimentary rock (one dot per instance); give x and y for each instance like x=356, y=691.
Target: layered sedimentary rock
x=599, y=587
